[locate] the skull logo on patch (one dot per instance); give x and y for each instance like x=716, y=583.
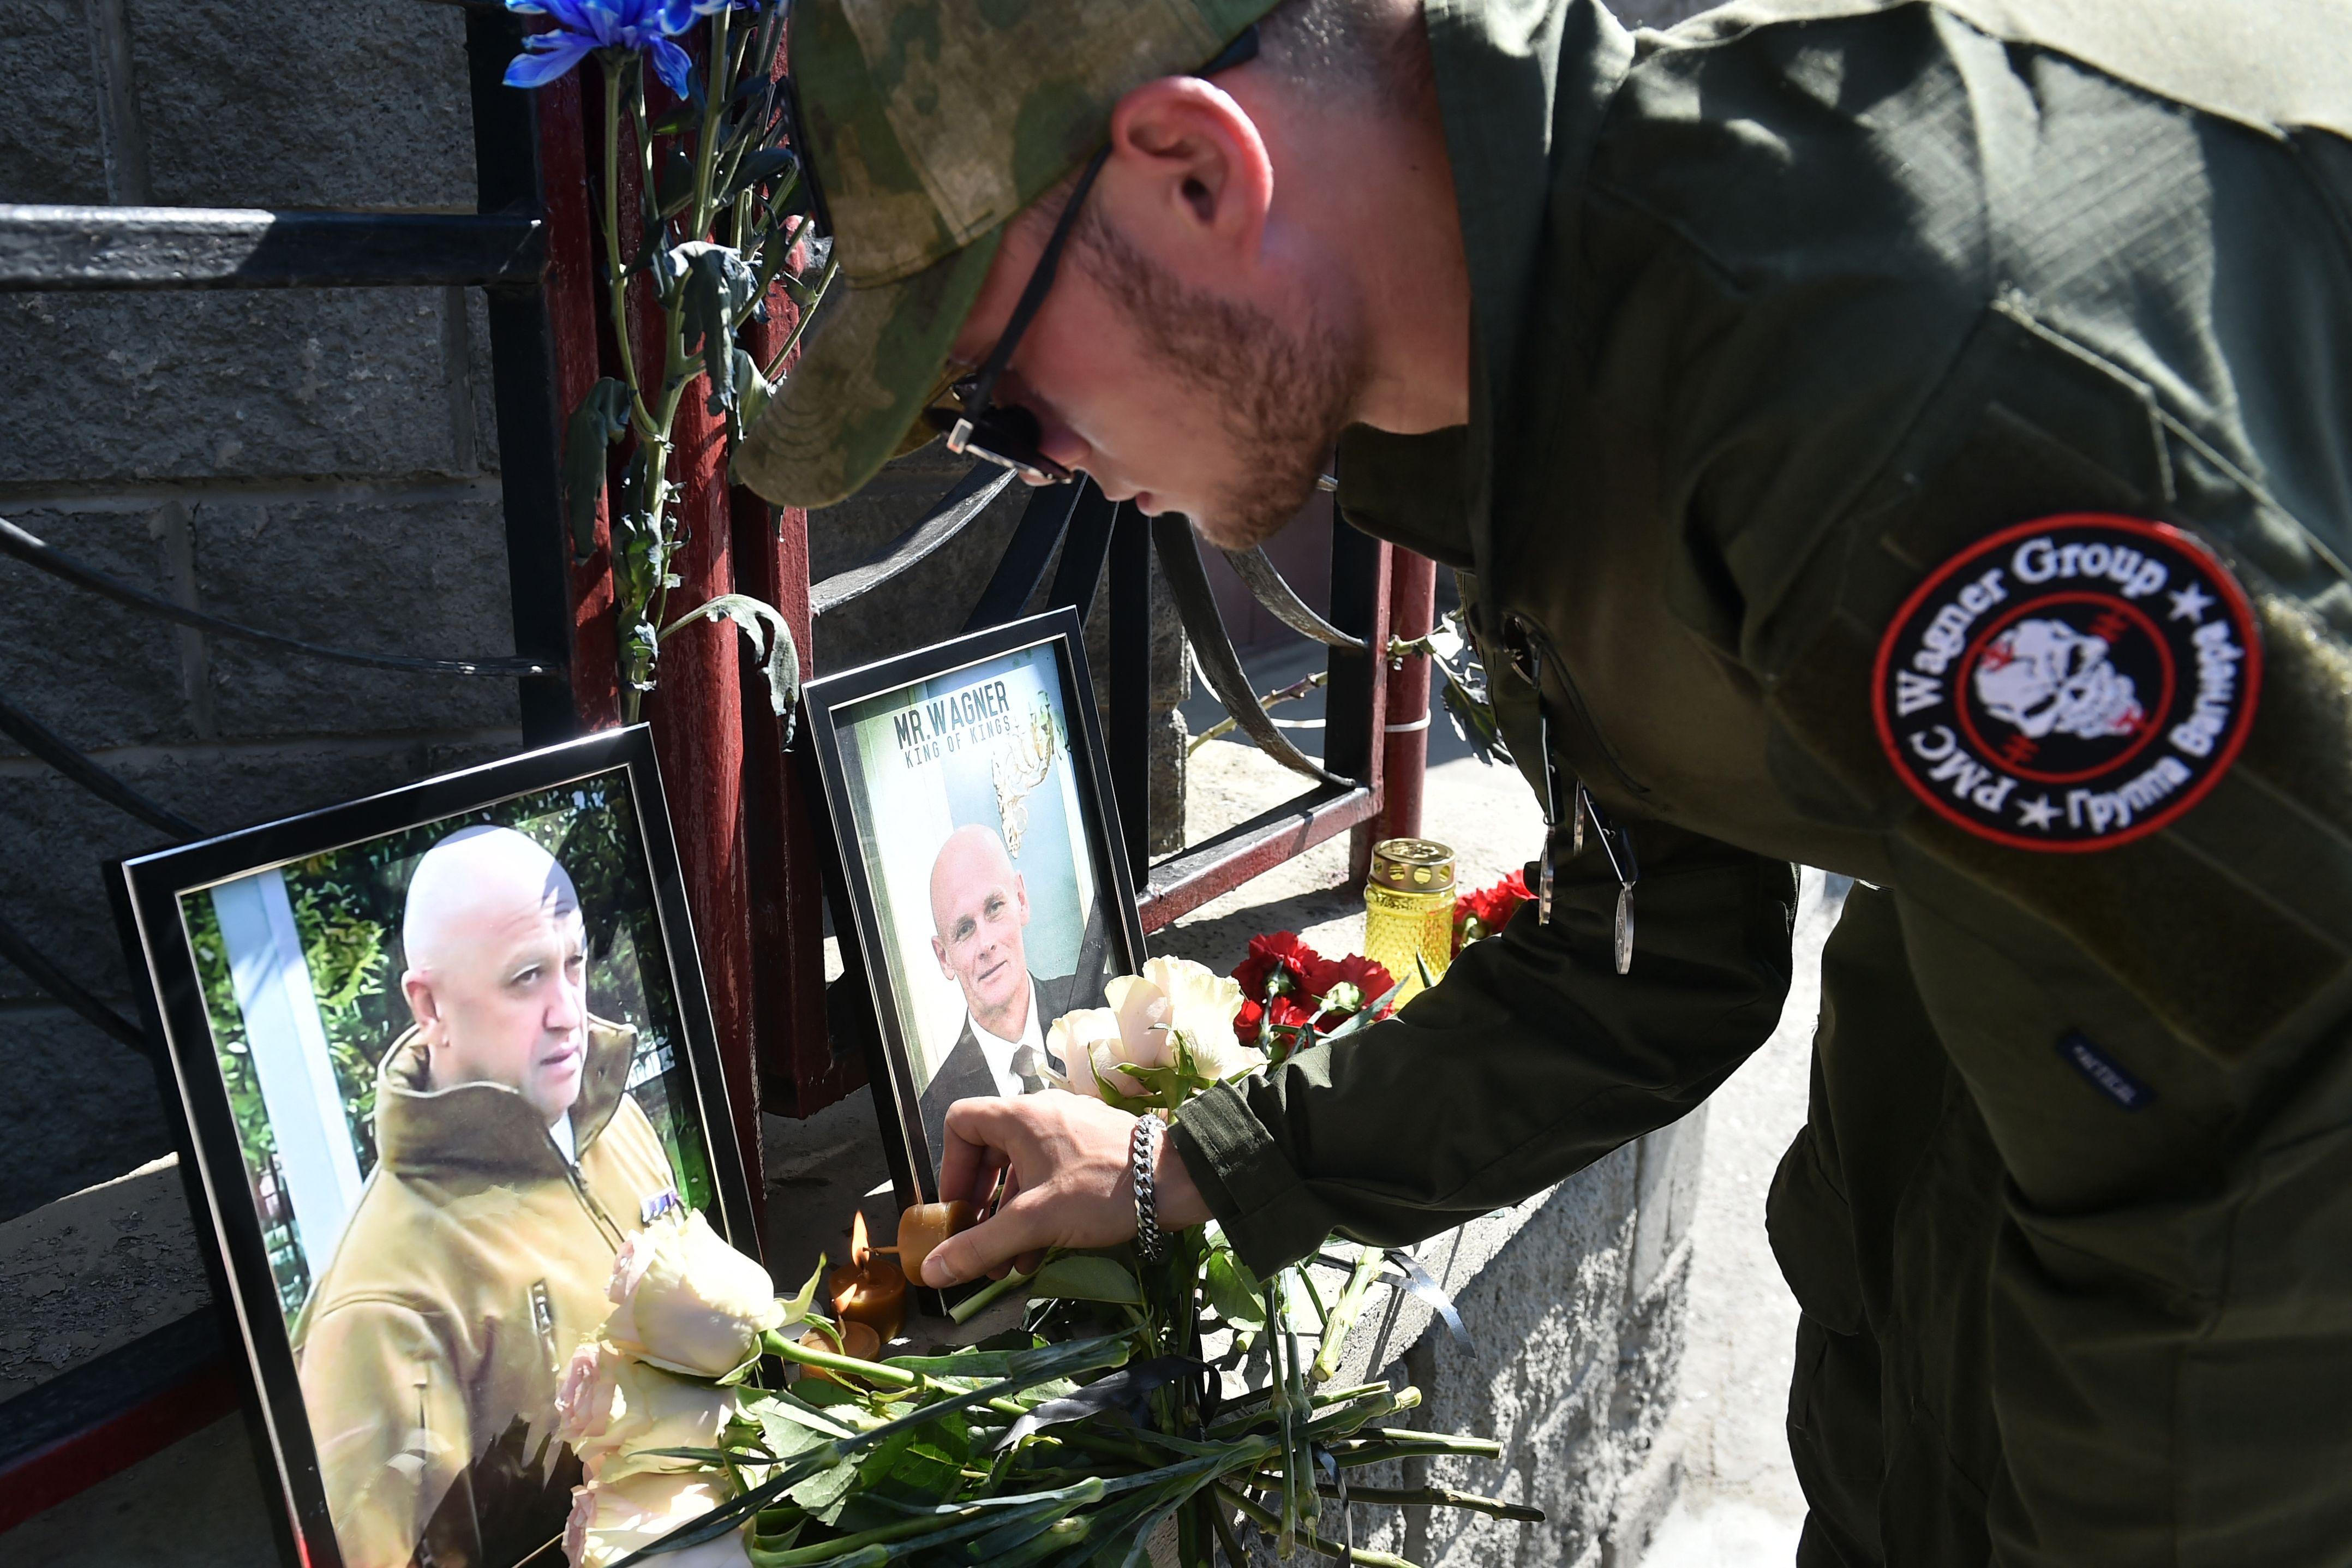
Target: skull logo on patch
x=2041, y=676
x=2070, y=684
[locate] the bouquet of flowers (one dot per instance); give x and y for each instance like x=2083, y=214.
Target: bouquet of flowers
x=1097, y=1433
x=1292, y=995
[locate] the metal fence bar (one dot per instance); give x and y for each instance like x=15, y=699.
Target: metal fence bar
x=1085, y=552
x=15, y=541
x=523, y=386
x=1130, y=737
x=60, y=753
x=61, y=985
x=1198, y=872
x=1044, y=522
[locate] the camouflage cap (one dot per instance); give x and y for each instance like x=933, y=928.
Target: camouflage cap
x=929, y=123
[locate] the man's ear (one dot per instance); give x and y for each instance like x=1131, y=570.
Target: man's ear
x=417, y=986
x=1189, y=173
x=940, y=952
x=1021, y=896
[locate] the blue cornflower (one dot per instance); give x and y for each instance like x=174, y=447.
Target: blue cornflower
x=585, y=25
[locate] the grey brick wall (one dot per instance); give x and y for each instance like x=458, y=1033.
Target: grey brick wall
x=319, y=462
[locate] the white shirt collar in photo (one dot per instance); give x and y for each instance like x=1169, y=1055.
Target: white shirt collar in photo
x=1000, y=1052
x=564, y=1140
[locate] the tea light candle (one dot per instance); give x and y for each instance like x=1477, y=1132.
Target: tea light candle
x=868, y=1290
x=858, y=1341
x=922, y=1227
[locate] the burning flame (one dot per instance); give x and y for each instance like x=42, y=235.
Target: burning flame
x=858, y=1250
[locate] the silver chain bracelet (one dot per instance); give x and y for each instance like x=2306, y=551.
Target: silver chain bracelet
x=1143, y=1153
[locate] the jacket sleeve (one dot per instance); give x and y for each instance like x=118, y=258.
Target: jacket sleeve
x=390, y=1425
x=1531, y=1059
x=2155, y=1035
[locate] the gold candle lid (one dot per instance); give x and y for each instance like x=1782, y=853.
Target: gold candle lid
x=1413, y=865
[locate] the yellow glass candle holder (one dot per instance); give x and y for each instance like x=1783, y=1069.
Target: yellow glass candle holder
x=1409, y=910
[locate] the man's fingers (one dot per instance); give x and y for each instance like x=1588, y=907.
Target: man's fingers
x=979, y=1140
x=1013, y=1230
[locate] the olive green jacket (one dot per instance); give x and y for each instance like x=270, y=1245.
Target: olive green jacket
x=475, y=1264
x=1775, y=314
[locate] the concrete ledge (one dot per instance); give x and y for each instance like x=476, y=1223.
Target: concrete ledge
x=92, y=1272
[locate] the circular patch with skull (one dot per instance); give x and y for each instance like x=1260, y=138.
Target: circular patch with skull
x=2069, y=684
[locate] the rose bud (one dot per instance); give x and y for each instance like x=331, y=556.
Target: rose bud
x=1087, y=1041
x=685, y=1301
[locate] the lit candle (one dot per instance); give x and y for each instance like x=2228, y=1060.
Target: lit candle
x=868, y=1289
x=858, y=1342
x=922, y=1227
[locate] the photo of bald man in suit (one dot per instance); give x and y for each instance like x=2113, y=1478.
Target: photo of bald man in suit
x=979, y=916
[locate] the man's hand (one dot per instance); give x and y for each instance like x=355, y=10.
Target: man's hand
x=1070, y=1186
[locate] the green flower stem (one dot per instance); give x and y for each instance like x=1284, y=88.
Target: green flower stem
x=1437, y=1496
x=1263, y=1520
x=980, y=1300
x=779, y=1343
x=1381, y=1453
x=615, y=275
x=1342, y=1320
x=714, y=103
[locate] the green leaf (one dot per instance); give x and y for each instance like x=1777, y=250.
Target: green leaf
x=1236, y=1292
x=771, y=638
x=685, y=117
x=883, y=1456
x=715, y=288
x=677, y=183
x=792, y=1425
x=1083, y=1277
x=822, y=1492
x=758, y=168
x=977, y=1365
x=602, y=419
x=752, y=391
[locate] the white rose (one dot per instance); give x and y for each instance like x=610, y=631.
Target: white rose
x=1087, y=1040
x=614, y=1517
x=1176, y=995
x=1143, y=1014
x=612, y=1408
x=1201, y=1004
x=685, y=1301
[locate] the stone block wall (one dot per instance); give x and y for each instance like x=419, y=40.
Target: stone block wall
x=323, y=463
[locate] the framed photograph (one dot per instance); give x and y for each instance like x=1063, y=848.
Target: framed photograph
x=984, y=893
x=436, y=1056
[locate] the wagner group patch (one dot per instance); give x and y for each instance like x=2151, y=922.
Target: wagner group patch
x=2069, y=684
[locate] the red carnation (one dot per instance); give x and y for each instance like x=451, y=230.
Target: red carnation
x=1277, y=965
x=1349, y=984
x=1281, y=1013
x=1488, y=911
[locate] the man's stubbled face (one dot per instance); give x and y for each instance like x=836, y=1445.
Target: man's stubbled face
x=1280, y=395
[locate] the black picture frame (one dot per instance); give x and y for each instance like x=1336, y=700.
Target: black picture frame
x=147, y=892
x=859, y=922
